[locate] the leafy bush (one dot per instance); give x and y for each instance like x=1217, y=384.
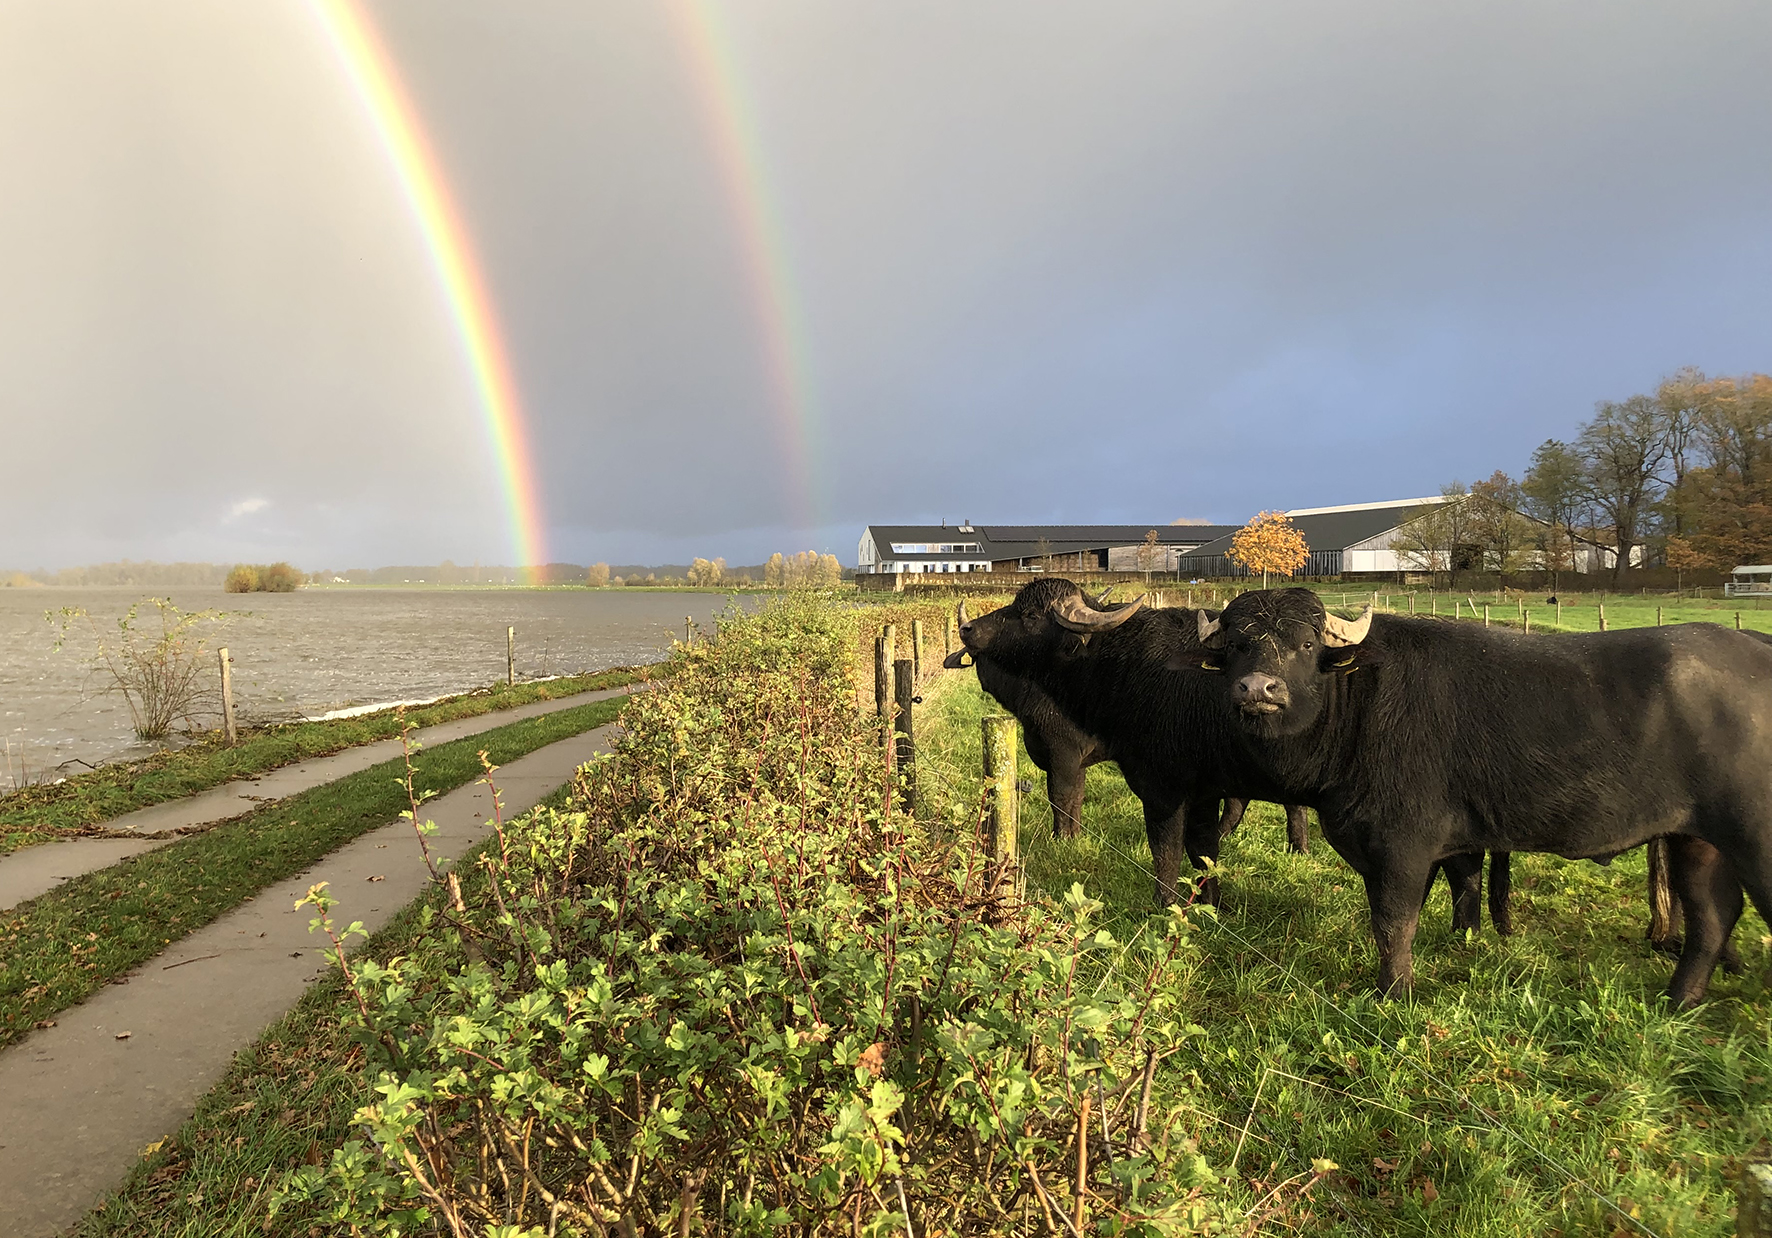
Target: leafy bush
x=263, y=578
x=734, y=990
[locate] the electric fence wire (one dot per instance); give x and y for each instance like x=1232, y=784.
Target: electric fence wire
x=1496, y=1123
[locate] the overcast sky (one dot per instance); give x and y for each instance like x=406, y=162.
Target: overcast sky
x=1104, y=262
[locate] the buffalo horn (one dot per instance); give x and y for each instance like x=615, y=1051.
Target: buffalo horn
x=1340, y=632
x=1075, y=614
x=1209, y=635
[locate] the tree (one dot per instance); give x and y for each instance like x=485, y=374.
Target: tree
x=1270, y=543
x=598, y=576
x=1552, y=491
x=775, y=571
x=1505, y=537
x=706, y=574
x=1439, y=539
x=1682, y=558
x=1147, y=553
x=1622, y=452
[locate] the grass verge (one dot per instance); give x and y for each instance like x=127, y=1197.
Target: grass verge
x=61, y=946
x=42, y=813
x=1536, y=1084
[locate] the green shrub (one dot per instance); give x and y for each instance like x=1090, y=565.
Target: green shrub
x=734, y=989
x=263, y=578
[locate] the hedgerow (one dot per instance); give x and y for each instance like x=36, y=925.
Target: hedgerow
x=733, y=989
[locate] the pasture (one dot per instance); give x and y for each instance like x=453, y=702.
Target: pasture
x=1532, y=1085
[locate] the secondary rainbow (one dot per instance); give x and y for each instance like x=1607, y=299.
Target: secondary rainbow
x=715, y=70
x=377, y=84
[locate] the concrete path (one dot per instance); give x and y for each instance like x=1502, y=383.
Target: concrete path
x=80, y=1100
x=35, y=870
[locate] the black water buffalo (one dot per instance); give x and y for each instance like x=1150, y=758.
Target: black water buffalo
x=1126, y=676
x=1063, y=752
x=1416, y=739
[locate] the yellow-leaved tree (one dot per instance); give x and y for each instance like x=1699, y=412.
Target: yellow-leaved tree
x=1270, y=543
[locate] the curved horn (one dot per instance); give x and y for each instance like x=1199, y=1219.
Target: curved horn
x=1341, y=632
x=1210, y=635
x=1073, y=613
x=960, y=613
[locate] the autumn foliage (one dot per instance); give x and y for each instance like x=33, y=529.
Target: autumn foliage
x=1270, y=543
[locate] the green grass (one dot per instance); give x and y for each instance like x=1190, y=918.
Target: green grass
x=1529, y=1080
x=61, y=946
x=43, y=813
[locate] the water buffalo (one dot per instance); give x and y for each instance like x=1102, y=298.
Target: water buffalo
x=1416, y=740
x=1063, y=752
x=1128, y=676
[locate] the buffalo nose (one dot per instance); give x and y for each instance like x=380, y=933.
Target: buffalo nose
x=964, y=629
x=1259, y=689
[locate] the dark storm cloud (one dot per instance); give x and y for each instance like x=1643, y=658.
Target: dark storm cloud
x=1055, y=262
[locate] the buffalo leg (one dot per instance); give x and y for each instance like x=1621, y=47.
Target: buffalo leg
x=1231, y=817
x=1297, y=829
x=1166, y=829
x=1711, y=895
x=1064, y=788
x=1501, y=888
x=1464, y=878
x=1393, y=892
x=1203, y=829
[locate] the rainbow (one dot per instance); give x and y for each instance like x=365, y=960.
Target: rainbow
x=377, y=84
x=732, y=122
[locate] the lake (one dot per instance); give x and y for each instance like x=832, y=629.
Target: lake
x=306, y=653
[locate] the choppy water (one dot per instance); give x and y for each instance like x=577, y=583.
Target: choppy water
x=305, y=653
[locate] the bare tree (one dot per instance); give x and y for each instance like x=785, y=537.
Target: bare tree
x=1437, y=540
x=1623, y=450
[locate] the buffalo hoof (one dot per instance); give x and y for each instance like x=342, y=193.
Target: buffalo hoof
x=1670, y=946
x=1504, y=923
x=1731, y=961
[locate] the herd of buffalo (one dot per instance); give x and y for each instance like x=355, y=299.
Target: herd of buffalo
x=1422, y=744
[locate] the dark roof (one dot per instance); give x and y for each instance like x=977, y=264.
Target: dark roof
x=1334, y=530
x=1025, y=541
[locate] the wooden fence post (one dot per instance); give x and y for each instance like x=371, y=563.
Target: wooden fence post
x=1525, y=620
x=1602, y=616
x=917, y=650
x=1658, y=616
x=904, y=737
x=1738, y=621
x=228, y=699
x=882, y=677
x=1559, y=612
x=1485, y=614
x=511, y=656
x=1753, y=1198
x=688, y=630
x=1002, y=815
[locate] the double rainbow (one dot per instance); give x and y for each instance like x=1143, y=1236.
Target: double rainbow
x=377, y=84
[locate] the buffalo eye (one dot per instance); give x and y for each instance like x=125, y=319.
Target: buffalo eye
x=1307, y=646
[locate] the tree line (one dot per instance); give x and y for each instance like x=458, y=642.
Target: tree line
x=1679, y=478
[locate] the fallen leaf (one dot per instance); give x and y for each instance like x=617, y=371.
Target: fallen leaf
x=312, y=1156
x=1384, y=1166
x=378, y=877
x=42, y=1023
x=124, y=1035
x=872, y=1060
x=1428, y=1191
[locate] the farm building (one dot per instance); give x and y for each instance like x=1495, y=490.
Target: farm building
x=1350, y=540
x=967, y=547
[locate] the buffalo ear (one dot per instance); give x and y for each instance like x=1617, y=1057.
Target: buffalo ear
x=1193, y=660
x=1211, y=634
x=956, y=660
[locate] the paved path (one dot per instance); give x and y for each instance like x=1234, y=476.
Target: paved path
x=26, y=873
x=78, y=1104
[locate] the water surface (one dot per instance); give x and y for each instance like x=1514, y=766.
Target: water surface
x=306, y=653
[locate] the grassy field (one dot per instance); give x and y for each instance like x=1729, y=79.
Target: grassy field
x=1533, y=1085
x=61, y=946
x=60, y=810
